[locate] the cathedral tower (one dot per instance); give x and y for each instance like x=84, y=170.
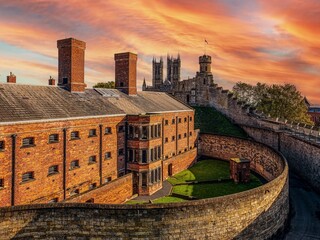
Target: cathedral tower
x=173, y=70
x=157, y=73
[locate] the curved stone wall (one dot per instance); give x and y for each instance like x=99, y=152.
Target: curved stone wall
x=255, y=214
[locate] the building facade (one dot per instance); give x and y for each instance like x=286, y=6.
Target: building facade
x=61, y=143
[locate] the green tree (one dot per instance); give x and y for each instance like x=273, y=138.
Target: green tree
x=282, y=101
x=109, y=84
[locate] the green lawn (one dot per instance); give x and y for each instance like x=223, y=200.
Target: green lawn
x=205, y=170
x=209, y=120
x=209, y=170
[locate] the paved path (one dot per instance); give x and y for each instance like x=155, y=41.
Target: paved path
x=164, y=191
x=305, y=222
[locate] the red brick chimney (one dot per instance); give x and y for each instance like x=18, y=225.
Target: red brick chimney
x=71, y=64
x=126, y=72
x=52, y=81
x=11, y=78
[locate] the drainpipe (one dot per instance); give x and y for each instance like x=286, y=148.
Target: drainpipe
x=13, y=169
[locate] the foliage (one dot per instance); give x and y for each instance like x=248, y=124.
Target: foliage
x=277, y=101
x=209, y=120
x=109, y=84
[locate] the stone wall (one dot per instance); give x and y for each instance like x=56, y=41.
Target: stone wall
x=255, y=214
x=303, y=156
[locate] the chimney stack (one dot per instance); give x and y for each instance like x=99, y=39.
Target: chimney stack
x=52, y=81
x=126, y=72
x=71, y=64
x=11, y=78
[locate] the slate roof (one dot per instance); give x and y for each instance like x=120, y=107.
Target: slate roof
x=29, y=102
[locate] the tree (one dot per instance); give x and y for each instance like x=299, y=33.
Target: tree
x=109, y=84
x=282, y=101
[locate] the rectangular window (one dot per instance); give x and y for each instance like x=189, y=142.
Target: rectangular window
x=131, y=155
x=155, y=154
x=120, y=152
x=74, y=192
x=29, y=141
x=75, y=135
x=107, y=155
x=92, y=133
x=144, y=179
x=156, y=131
x=27, y=176
x=107, y=130
x=74, y=164
x=136, y=132
x=53, y=200
x=159, y=130
x=131, y=131
x=190, y=119
x=159, y=174
x=166, y=122
x=152, y=132
x=121, y=129
x=185, y=119
x=151, y=154
x=185, y=135
x=179, y=136
x=92, y=159
x=2, y=145
x=53, y=169
x=173, y=138
x=144, y=158
x=1, y=183
x=108, y=179
x=159, y=152
x=144, y=134
x=179, y=120
x=190, y=134
x=166, y=140
x=92, y=186
x=173, y=121
x=53, y=138
x=152, y=177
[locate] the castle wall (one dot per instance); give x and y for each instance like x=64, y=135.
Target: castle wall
x=303, y=156
x=255, y=214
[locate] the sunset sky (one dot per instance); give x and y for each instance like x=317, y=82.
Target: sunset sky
x=269, y=41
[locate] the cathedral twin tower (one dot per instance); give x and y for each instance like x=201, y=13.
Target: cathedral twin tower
x=173, y=73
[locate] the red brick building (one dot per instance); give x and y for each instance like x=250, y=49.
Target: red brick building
x=314, y=113
x=68, y=143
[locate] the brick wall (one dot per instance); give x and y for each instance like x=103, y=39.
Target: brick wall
x=116, y=191
x=42, y=155
x=255, y=214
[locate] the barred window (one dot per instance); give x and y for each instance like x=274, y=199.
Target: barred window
x=185, y=135
x=1, y=183
x=107, y=155
x=179, y=136
x=190, y=119
x=185, y=119
x=173, y=138
x=53, y=138
x=166, y=122
x=173, y=121
x=92, y=133
x=75, y=135
x=107, y=130
x=29, y=141
x=27, y=176
x=53, y=169
x=179, y=120
x=74, y=164
x=92, y=186
x=2, y=145
x=92, y=159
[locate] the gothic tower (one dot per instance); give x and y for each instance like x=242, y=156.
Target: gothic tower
x=205, y=70
x=173, y=70
x=157, y=73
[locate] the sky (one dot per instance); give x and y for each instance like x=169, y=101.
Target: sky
x=251, y=41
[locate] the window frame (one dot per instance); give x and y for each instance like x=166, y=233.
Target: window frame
x=31, y=142
x=107, y=155
x=28, y=176
x=77, y=135
x=2, y=145
x=92, y=132
x=74, y=164
x=55, y=138
x=54, y=171
x=107, y=130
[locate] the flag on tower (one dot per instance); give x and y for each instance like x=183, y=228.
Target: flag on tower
x=206, y=41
